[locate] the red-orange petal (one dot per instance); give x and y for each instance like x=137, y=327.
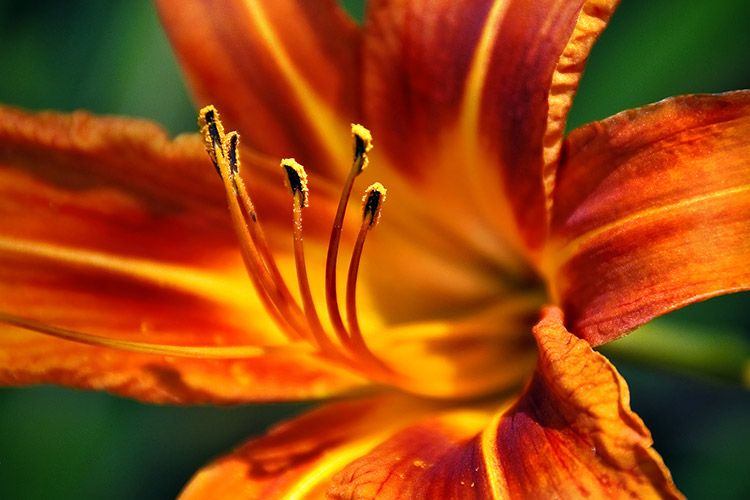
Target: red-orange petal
x=488, y=81
x=438, y=459
x=109, y=228
x=283, y=73
x=298, y=458
x=652, y=212
x=571, y=435
x=575, y=425
x=30, y=358
x=79, y=151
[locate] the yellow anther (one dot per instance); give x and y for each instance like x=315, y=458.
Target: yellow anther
x=296, y=180
x=372, y=203
x=362, y=146
x=213, y=133
x=230, y=144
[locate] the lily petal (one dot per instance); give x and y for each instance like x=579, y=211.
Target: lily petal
x=29, y=358
x=298, y=458
x=109, y=228
x=264, y=63
x=571, y=435
x=479, y=86
x=652, y=212
x=79, y=151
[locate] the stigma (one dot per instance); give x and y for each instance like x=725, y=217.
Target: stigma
x=296, y=314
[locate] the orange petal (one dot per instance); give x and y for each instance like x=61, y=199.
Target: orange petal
x=438, y=459
x=480, y=86
x=298, y=458
x=29, y=358
x=571, y=435
x=109, y=228
x=652, y=212
x=78, y=151
x=282, y=72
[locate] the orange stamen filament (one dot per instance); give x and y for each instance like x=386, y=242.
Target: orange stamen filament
x=223, y=152
x=297, y=183
x=331, y=259
x=207, y=352
x=285, y=302
x=372, y=203
x=261, y=243
x=362, y=145
x=251, y=218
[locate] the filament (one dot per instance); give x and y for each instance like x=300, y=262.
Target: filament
x=296, y=181
x=372, y=203
x=362, y=145
x=223, y=151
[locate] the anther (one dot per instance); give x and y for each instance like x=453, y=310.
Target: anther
x=296, y=180
x=372, y=203
x=362, y=146
x=230, y=146
x=212, y=132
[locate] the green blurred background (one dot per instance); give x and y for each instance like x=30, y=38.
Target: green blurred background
x=110, y=56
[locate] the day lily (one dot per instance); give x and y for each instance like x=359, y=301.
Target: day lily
x=460, y=357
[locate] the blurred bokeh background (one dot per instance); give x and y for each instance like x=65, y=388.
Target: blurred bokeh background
x=110, y=56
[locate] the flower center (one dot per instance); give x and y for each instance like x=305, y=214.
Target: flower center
x=300, y=320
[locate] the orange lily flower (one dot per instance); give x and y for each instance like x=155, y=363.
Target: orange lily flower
x=121, y=271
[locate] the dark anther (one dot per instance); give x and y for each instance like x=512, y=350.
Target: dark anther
x=371, y=206
x=359, y=147
x=295, y=183
x=233, y=153
x=213, y=130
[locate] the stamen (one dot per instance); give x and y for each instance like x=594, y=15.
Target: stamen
x=258, y=236
x=212, y=131
x=277, y=299
x=362, y=146
x=372, y=203
x=230, y=145
x=223, y=151
x=209, y=352
x=296, y=181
